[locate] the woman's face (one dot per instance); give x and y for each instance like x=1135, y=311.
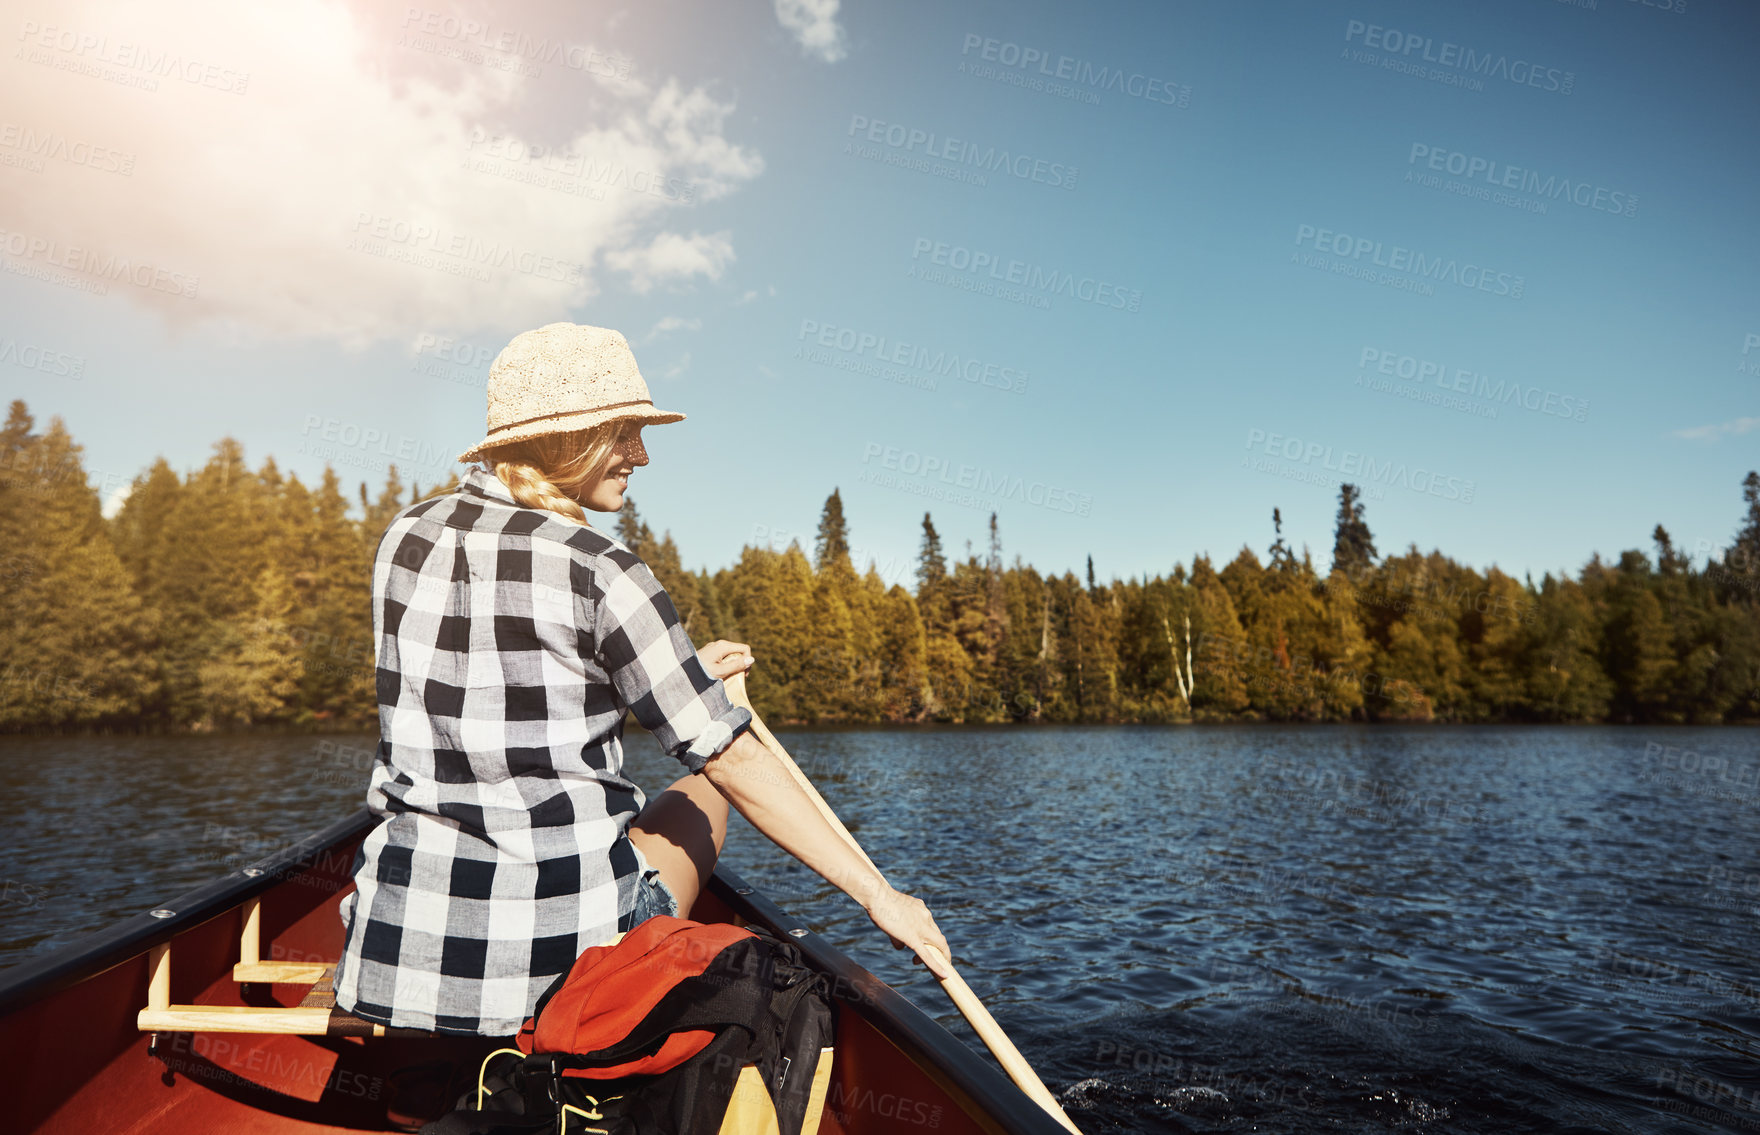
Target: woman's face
x=626, y=457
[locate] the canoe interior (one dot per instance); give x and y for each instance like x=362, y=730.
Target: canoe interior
x=77, y=1061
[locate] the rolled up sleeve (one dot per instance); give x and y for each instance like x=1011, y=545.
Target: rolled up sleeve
x=655, y=669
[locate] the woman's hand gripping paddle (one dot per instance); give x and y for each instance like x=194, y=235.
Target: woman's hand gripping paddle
x=957, y=990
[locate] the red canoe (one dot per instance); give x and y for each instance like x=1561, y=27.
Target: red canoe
x=77, y=1059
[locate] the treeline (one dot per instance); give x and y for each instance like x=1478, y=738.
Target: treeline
x=234, y=597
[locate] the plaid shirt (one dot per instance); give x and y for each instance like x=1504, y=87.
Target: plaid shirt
x=510, y=641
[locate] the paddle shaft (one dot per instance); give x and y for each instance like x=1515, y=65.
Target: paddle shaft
x=957, y=990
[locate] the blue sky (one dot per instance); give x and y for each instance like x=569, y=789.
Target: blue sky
x=1306, y=292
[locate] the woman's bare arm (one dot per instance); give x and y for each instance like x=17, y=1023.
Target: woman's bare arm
x=754, y=782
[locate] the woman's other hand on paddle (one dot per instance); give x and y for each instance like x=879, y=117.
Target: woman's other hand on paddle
x=907, y=921
x=723, y=659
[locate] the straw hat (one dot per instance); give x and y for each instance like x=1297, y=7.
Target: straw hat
x=564, y=377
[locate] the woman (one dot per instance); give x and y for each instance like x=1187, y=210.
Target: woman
x=511, y=638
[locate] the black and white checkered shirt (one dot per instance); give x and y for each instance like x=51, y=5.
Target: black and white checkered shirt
x=510, y=641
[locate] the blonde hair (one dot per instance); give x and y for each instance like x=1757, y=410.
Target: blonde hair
x=552, y=471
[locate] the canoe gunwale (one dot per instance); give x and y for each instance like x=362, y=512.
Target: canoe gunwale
x=995, y=1102
x=951, y=1063
x=93, y=954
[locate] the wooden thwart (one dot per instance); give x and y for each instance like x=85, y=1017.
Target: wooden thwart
x=750, y=1110
x=317, y=1015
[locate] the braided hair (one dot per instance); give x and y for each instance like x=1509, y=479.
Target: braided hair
x=552, y=471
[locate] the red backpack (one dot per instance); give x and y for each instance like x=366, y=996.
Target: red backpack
x=611, y=989
x=648, y=1036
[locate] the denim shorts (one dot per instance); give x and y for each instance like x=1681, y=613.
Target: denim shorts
x=653, y=897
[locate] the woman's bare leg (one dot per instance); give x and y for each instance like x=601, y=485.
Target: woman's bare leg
x=681, y=832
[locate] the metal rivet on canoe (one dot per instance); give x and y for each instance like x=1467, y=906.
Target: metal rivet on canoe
x=797, y=932
x=742, y=890
x=163, y=913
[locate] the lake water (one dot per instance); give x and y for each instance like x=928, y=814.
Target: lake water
x=1294, y=929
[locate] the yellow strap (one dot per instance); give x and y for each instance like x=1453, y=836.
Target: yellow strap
x=562, y=1118
x=484, y=1071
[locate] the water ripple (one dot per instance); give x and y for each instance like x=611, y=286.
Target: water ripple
x=1202, y=929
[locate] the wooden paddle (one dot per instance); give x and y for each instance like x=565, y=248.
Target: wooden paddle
x=957, y=990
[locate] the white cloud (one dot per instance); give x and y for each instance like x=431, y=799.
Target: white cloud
x=813, y=23
x=672, y=323
x=1713, y=432
x=367, y=182
x=672, y=258
x=113, y=503
x=677, y=369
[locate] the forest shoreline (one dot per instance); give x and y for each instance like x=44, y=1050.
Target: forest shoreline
x=269, y=729
x=228, y=598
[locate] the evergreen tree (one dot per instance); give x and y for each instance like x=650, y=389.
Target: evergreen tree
x=1668, y=560
x=232, y=598
x=902, y=657
x=211, y=550
x=75, y=643
x=931, y=563
x=1565, y=681
x=379, y=514
x=1747, y=543
x=333, y=618
x=1353, y=548
x=254, y=675
x=631, y=532
x=1738, y=576
x=663, y=559
x=1279, y=559
x=1636, y=649
x=996, y=619
x=770, y=595
x=832, y=545
x=716, y=621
